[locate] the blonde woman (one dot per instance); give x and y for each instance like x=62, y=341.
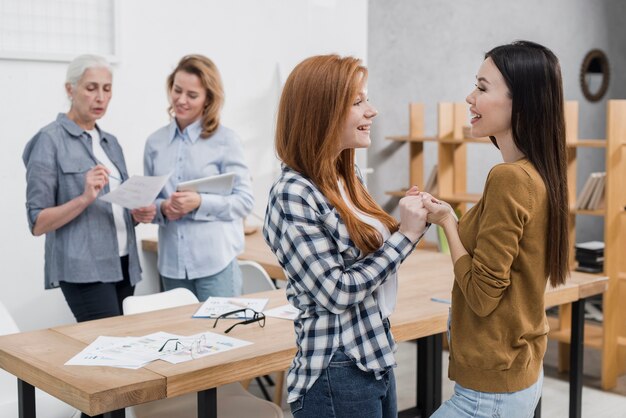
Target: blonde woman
x=200, y=234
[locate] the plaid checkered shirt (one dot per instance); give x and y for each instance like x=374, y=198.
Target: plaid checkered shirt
x=328, y=282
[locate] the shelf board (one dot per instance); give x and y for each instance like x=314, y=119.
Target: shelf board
x=594, y=212
x=396, y=193
x=465, y=140
x=587, y=143
x=458, y=198
x=412, y=138
x=461, y=198
x=437, y=139
x=593, y=333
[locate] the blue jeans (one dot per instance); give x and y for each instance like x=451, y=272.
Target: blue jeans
x=226, y=283
x=468, y=403
x=345, y=391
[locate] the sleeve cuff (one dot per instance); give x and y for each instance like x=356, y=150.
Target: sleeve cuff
x=210, y=207
x=159, y=218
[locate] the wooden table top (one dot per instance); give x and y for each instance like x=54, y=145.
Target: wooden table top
x=38, y=357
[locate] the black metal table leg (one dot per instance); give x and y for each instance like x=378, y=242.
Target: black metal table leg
x=429, y=351
x=120, y=413
x=26, y=399
x=207, y=403
x=428, y=393
x=576, y=358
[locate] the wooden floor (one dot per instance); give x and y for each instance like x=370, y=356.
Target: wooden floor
x=596, y=403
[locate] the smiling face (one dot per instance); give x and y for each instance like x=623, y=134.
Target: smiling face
x=188, y=98
x=356, y=127
x=90, y=97
x=490, y=104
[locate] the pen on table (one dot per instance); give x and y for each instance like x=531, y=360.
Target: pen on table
x=441, y=300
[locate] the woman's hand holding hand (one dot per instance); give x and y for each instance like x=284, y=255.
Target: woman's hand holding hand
x=412, y=217
x=179, y=204
x=145, y=214
x=95, y=180
x=439, y=212
x=185, y=202
x=169, y=212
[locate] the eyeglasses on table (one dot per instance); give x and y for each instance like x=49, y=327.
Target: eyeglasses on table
x=250, y=314
x=198, y=347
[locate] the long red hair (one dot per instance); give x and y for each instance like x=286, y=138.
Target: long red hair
x=313, y=108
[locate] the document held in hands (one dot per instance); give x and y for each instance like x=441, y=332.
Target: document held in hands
x=220, y=184
x=137, y=191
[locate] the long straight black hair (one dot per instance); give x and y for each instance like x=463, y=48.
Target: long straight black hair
x=533, y=76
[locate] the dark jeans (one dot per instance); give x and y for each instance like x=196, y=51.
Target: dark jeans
x=97, y=300
x=345, y=391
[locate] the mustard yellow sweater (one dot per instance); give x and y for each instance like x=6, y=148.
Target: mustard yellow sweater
x=499, y=327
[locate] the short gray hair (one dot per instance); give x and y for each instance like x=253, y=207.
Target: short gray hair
x=82, y=63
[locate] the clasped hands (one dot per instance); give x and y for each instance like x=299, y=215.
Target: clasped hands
x=417, y=209
x=175, y=207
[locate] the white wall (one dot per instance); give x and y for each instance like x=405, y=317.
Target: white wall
x=254, y=43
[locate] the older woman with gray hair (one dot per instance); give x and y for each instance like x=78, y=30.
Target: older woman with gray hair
x=90, y=249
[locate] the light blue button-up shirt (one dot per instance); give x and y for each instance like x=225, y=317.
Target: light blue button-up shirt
x=206, y=240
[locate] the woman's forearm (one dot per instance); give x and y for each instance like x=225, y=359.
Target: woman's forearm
x=450, y=227
x=55, y=217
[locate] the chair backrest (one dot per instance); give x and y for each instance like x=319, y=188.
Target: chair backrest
x=255, y=278
x=170, y=299
x=8, y=391
x=7, y=323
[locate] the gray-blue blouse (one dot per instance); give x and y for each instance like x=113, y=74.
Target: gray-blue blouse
x=85, y=249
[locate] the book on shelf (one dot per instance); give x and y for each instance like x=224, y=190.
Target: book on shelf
x=597, y=198
x=590, y=256
x=590, y=247
x=591, y=196
x=589, y=269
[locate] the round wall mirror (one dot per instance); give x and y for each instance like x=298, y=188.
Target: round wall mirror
x=594, y=75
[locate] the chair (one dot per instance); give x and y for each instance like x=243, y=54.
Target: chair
x=233, y=401
x=255, y=279
x=47, y=405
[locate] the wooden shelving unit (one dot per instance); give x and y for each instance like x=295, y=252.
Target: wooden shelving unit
x=610, y=335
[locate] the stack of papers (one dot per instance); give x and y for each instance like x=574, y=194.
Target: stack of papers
x=213, y=307
x=136, y=352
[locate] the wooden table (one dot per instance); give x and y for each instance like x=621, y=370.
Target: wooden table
x=37, y=358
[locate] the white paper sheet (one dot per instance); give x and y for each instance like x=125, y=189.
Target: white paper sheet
x=283, y=312
x=215, y=306
x=137, y=191
x=126, y=352
x=102, y=352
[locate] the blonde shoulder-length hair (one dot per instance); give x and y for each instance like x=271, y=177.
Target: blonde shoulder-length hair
x=211, y=80
x=313, y=108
